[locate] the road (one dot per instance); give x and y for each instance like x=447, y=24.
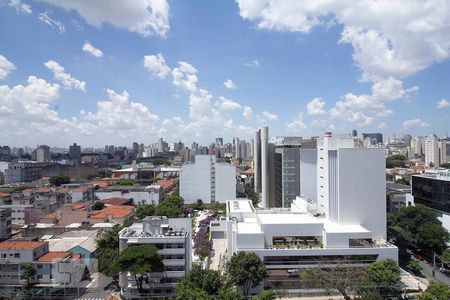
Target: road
x=96, y=289
x=428, y=272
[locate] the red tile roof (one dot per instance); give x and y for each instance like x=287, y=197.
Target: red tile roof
x=165, y=183
x=21, y=245
x=4, y=194
x=52, y=256
x=79, y=189
x=118, y=211
x=115, y=201
x=43, y=190
x=78, y=206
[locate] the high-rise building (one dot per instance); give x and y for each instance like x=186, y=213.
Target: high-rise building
x=75, y=153
x=354, y=133
x=377, y=138
x=135, y=149
x=265, y=176
x=257, y=160
x=432, y=151
x=219, y=141
x=207, y=180
x=43, y=153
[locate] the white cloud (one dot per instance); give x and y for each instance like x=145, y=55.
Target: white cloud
x=229, y=84
x=184, y=77
x=316, y=107
x=20, y=7
x=252, y=64
x=391, y=38
x=443, y=103
x=382, y=125
x=145, y=17
x=414, y=123
x=247, y=113
x=156, y=64
x=5, y=66
x=119, y=115
x=297, y=125
x=265, y=117
x=228, y=104
x=88, y=48
x=68, y=81
x=56, y=25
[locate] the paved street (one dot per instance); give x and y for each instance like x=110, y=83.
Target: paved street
x=427, y=271
x=96, y=289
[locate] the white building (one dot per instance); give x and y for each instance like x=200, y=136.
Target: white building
x=173, y=239
x=207, y=180
x=431, y=151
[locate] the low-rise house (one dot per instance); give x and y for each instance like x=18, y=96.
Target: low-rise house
x=113, y=214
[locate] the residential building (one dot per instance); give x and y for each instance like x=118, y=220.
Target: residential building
x=151, y=194
x=113, y=214
x=17, y=213
x=432, y=151
x=432, y=189
x=207, y=180
x=43, y=153
x=27, y=171
x=5, y=223
x=172, y=237
x=75, y=154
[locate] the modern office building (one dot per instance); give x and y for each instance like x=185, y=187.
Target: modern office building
x=291, y=240
x=432, y=189
x=377, y=138
x=207, y=180
x=257, y=160
x=172, y=237
x=75, y=154
x=43, y=153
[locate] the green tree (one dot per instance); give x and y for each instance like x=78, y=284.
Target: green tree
x=252, y=195
x=98, y=205
x=208, y=281
x=436, y=291
x=446, y=256
x=28, y=274
x=170, y=207
x=402, y=181
x=139, y=261
x=108, y=245
x=264, y=295
x=145, y=210
x=228, y=293
x=395, y=161
x=414, y=267
x=126, y=182
x=246, y=270
x=58, y=180
x=446, y=166
x=432, y=236
x=385, y=274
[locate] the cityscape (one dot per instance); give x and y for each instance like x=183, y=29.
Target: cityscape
x=305, y=156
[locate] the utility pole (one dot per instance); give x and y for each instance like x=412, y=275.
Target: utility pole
x=434, y=263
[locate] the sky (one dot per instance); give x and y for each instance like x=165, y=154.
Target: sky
x=114, y=72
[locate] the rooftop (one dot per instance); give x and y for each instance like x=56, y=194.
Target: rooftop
x=20, y=245
x=243, y=206
x=288, y=218
x=118, y=211
x=4, y=194
x=52, y=256
x=332, y=227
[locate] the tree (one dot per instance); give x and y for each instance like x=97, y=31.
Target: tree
x=446, y=256
x=108, y=245
x=385, y=274
x=264, y=295
x=414, y=267
x=145, y=210
x=58, y=180
x=139, y=261
x=402, y=181
x=98, y=205
x=446, y=166
x=252, y=195
x=246, y=270
x=436, y=291
x=208, y=281
x=126, y=182
x=432, y=236
x=395, y=161
x=170, y=206
x=28, y=274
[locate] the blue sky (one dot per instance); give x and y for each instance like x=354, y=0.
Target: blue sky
x=153, y=68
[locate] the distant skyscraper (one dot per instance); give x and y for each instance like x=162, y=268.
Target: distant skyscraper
x=354, y=133
x=43, y=153
x=75, y=153
x=135, y=148
x=219, y=141
x=432, y=151
x=377, y=137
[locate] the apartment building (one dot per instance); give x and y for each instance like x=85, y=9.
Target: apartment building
x=207, y=180
x=172, y=237
x=27, y=171
x=5, y=223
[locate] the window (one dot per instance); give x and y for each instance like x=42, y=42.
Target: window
x=39, y=276
x=39, y=266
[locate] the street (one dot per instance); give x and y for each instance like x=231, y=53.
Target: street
x=428, y=271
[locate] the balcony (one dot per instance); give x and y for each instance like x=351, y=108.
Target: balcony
x=296, y=243
x=174, y=262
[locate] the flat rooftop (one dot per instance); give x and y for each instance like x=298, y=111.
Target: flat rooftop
x=240, y=206
x=288, y=218
x=332, y=227
x=247, y=228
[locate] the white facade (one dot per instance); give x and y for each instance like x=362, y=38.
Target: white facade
x=207, y=180
x=431, y=151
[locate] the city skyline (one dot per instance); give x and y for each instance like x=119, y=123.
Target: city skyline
x=76, y=72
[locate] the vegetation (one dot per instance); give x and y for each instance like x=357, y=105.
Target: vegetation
x=108, y=245
x=98, y=205
x=205, y=284
x=446, y=256
x=16, y=189
x=414, y=267
x=202, y=244
x=417, y=227
x=436, y=291
x=389, y=177
x=395, y=161
x=28, y=274
x=159, y=162
x=251, y=194
x=264, y=295
x=402, y=181
x=384, y=275
x=246, y=270
x=170, y=206
x=58, y=180
x=446, y=166
x=145, y=210
x=139, y=261
x=125, y=182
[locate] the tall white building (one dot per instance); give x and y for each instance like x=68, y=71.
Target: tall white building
x=43, y=153
x=432, y=151
x=207, y=180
